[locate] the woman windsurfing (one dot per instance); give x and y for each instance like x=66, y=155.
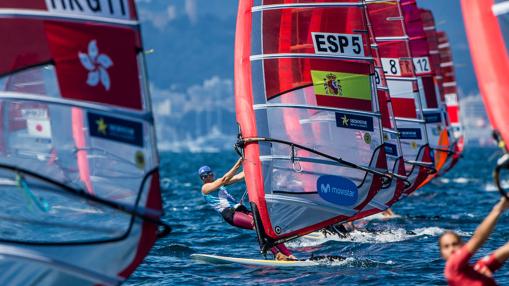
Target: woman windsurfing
x=232, y=211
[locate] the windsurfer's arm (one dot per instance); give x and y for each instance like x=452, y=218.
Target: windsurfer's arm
x=484, y=230
x=235, y=179
x=502, y=254
x=210, y=187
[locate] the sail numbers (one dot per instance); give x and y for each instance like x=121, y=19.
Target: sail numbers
x=391, y=66
x=101, y=8
x=338, y=44
x=422, y=65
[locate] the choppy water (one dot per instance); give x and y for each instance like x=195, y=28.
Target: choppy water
x=401, y=251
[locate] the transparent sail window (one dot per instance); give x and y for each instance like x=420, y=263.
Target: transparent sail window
x=105, y=154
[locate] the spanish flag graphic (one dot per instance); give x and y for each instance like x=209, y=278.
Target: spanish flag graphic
x=342, y=90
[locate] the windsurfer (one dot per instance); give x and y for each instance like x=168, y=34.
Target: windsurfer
x=232, y=211
x=457, y=254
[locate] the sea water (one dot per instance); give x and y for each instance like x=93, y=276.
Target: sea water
x=400, y=251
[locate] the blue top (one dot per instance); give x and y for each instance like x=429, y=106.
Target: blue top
x=220, y=199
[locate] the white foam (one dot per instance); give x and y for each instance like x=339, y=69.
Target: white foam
x=394, y=235
x=491, y=187
x=336, y=262
x=380, y=216
x=385, y=236
x=460, y=216
x=462, y=180
x=165, y=183
x=429, y=231
x=347, y=261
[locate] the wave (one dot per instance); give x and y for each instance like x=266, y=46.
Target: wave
x=459, y=181
x=349, y=262
x=178, y=250
x=462, y=180
x=380, y=216
x=491, y=187
x=362, y=236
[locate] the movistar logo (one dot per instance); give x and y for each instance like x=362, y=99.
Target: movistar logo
x=97, y=65
x=337, y=190
x=326, y=188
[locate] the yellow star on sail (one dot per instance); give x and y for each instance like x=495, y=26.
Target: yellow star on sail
x=345, y=120
x=102, y=127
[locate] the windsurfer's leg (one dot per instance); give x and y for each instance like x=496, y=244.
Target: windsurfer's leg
x=283, y=249
x=243, y=220
x=280, y=252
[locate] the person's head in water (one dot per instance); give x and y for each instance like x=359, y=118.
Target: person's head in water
x=206, y=174
x=449, y=242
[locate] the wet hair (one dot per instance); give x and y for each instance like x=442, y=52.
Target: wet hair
x=447, y=232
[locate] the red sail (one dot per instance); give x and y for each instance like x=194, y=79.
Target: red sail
x=393, y=47
x=300, y=73
x=490, y=60
x=394, y=52
x=451, y=97
x=425, y=71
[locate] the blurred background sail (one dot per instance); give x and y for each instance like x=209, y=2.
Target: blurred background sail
x=78, y=159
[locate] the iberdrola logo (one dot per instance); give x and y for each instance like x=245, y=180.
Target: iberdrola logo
x=97, y=66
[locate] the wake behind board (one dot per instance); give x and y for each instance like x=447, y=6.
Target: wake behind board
x=215, y=259
x=380, y=216
x=317, y=235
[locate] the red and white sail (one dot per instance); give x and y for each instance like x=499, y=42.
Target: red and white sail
x=78, y=160
x=392, y=193
x=451, y=97
x=433, y=109
x=387, y=23
x=308, y=112
x=436, y=60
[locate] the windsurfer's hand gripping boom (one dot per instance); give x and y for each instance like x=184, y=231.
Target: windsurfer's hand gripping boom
x=227, y=179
